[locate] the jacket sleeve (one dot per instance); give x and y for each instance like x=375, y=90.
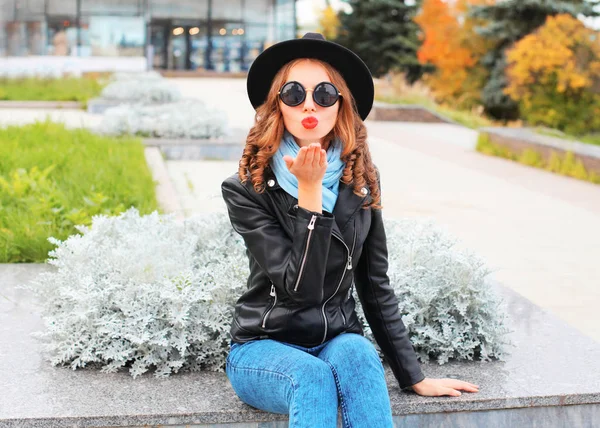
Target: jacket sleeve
x=295, y=266
x=380, y=306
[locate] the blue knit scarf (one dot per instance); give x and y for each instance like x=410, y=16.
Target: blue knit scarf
x=289, y=182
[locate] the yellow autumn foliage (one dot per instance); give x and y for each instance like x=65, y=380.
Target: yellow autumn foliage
x=329, y=23
x=554, y=74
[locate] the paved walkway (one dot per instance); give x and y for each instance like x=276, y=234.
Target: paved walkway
x=539, y=231
x=227, y=94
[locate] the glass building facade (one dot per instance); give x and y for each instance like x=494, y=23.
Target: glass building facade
x=219, y=35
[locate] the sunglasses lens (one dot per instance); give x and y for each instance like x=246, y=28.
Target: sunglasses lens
x=326, y=94
x=292, y=94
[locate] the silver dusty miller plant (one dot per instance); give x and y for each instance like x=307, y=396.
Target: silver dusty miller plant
x=144, y=292
x=188, y=118
x=143, y=90
x=449, y=308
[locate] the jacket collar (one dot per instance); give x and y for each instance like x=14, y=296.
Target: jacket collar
x=346, y=205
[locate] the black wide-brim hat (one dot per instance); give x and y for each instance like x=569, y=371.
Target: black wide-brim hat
x=312, y=45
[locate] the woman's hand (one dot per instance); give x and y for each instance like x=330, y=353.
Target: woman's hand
x=446, y=386
x=309, y=166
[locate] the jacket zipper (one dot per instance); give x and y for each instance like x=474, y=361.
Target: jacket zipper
x=350, y=291
x=348, y=267
x=311, y=227
x=346, y=299
x=273, y=293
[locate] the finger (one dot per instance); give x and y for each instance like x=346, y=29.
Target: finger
x=323, y=157
x=462, y=385
x=469, y=388
x=456, y=383
x=288, y=161
x=300, y=159
x=317, y=156
x=452, y=392
x=309, y=156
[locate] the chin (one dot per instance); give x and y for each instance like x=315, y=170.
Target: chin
x=306, y=134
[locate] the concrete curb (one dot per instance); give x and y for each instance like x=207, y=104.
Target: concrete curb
x=166, y=193
x=530, y=136
x=519, y=139
x=42, y=104
x=229, y=147
x=406, y=113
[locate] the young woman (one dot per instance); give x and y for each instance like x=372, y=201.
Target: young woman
x=306, y=201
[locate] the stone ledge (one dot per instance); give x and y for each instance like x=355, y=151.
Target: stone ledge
x=166, y=195
x=519, y=139
x=100, y=105
x=42, y=104
x=550, y=377
x=405, y=113
x=229, y=147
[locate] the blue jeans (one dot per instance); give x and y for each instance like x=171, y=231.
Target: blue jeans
x=309, y=383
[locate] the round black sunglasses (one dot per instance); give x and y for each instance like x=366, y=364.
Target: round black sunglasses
x=293, y=93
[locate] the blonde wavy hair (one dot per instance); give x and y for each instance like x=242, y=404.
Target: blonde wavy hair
x=265, y=135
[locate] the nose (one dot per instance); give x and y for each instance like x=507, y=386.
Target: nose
x=309, y=103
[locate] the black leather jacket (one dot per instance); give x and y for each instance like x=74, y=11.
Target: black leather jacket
x=303, y=267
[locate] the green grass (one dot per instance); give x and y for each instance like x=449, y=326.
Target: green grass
x=587, y=138
x=567, y=164
x=63, y=89
x=465, y=118
x=52, y=179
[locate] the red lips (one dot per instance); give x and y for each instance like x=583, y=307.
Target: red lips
x=310, y=122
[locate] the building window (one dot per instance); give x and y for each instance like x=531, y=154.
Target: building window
x=257, y=37
x=228, y=44
x=184, y=9
x=112, y=7
x=61, y=36
x=117, y=35
x=183, y=34
x=284, y=20
x=61, y=7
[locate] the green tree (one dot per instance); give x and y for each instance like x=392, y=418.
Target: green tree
x=506, y=23
x=384, y=35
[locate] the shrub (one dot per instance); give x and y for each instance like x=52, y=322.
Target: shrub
x=485, y=145
x=554, y=74
x=531, y=157
x=567, y=165
x=184, y=119
x=141, y=91
x=450, y=310
x=144, y=291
